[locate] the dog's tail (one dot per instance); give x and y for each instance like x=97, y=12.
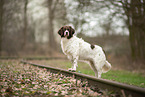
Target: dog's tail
x=106, y=67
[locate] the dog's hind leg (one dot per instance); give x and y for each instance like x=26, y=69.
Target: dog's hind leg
x=99, y=73
x=92, y=65
x=99, y=70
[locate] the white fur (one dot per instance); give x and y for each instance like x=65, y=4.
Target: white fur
x=77, y=49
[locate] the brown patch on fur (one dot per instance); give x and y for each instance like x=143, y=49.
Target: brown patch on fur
x=92, y=46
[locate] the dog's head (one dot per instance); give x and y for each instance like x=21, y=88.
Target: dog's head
x=66, y=31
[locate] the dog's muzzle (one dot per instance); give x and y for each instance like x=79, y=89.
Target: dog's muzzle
x=66, y=33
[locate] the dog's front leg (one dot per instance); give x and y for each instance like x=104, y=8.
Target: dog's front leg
x=74, y=64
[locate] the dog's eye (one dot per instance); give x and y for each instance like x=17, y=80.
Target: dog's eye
x=68, y=29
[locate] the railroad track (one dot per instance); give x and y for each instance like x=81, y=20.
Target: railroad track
x=98, y=84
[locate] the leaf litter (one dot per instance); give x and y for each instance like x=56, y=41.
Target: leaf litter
x=17, y=79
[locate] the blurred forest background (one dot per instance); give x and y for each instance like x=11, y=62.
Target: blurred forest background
x=29, y=27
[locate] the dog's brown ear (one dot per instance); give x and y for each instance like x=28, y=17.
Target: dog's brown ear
x=72, y=31
x=60, y=31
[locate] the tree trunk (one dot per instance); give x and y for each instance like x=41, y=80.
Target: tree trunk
x=136, y=18
x=25, y=24
x=52, y=42
x=1, y=24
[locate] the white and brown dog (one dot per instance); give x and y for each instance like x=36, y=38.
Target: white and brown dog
x=77, y=49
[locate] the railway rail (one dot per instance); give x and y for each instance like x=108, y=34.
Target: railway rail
x=98, y=84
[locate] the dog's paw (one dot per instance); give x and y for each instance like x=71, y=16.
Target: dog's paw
x=72, y=70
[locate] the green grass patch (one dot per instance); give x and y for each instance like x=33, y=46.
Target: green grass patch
x=122, y=76
x=125, y=77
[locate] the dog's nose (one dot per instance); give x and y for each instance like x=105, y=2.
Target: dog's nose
x=66, y=33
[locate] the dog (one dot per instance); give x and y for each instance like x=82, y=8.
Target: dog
x=77, y=49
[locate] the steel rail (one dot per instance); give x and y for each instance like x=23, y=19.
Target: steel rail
x=98, y=84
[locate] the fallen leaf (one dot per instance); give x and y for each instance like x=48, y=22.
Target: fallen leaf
x=9, y=90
